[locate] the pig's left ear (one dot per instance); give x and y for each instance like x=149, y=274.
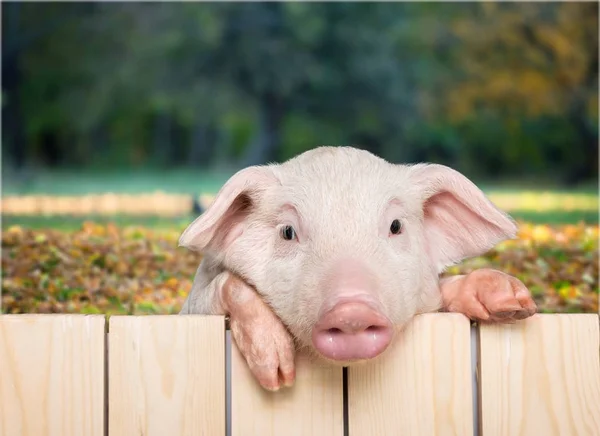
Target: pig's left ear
x=459, y=220
x=224, y=220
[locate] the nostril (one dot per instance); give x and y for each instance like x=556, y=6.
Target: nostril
x=336, y=331
x=375, y=329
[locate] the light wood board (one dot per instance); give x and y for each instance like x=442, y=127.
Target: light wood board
x=312, y=407
x=51, y=375
x=541, y=376
x=166, y=375
x=420, y=386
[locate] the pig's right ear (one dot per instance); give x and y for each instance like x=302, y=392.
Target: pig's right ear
x=459, y=220
x=223, y=221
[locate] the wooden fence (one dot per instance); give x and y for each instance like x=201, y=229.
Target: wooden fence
x=77, y=375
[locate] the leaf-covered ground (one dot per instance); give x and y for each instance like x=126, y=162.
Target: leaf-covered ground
x=132, y=270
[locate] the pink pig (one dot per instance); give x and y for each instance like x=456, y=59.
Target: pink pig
x=336, y=250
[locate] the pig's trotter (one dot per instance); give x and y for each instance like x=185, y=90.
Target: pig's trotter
x=488, y=295
x=259, y=334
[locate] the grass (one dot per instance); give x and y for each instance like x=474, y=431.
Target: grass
x=74, y=223
x=186, y=180
x=76, y=183
x=70, y=223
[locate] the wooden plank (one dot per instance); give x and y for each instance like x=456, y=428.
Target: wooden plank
x=312, y=407
x=166, y=375
x=541, y=376
x=420, y=386
x=51, y=375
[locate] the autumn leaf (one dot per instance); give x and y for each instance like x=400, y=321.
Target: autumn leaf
x=135, y=270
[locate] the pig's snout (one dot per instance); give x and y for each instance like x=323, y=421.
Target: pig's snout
x=352, y=331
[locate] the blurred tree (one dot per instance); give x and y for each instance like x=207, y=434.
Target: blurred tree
x=24, y=32
x=526, y=63
x=492, y=89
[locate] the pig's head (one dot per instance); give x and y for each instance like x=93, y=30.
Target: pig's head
x=345, y=246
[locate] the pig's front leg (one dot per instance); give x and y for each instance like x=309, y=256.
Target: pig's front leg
x=487, y=295
x=259, y=334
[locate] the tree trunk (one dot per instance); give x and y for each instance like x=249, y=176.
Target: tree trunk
x=585, y=166
x=13, y=134
x=162, y=139
x=264, y=147
x=202, y=146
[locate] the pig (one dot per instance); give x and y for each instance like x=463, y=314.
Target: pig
x=335, y=250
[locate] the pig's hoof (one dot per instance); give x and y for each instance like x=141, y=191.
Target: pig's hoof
x=273, y=375
x=268, y=349
x=492, y=296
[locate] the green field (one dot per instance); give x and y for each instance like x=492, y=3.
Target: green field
x=193, y=181
x=74, y=223
x=92, y=182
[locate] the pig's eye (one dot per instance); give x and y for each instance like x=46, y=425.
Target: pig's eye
x=396, y=227
x=288, y=233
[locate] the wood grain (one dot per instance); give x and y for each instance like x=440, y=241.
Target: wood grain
x=541, y=376
x=51, y=375
x=167, y=375
x=420, y=386
x=312, y=407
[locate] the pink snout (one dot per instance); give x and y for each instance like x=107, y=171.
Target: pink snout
x=352, y=331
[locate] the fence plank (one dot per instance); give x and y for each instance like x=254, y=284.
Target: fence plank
x=166, y=375
x=421, y=386
x=541, y=376
x=312, y=407
x=51, y=375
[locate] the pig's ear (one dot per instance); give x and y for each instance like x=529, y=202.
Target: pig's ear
x=223, y=220
x=459, y=220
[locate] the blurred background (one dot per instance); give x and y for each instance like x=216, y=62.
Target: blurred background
x=121, y=120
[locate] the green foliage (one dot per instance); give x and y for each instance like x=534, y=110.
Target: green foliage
x=492, y=89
